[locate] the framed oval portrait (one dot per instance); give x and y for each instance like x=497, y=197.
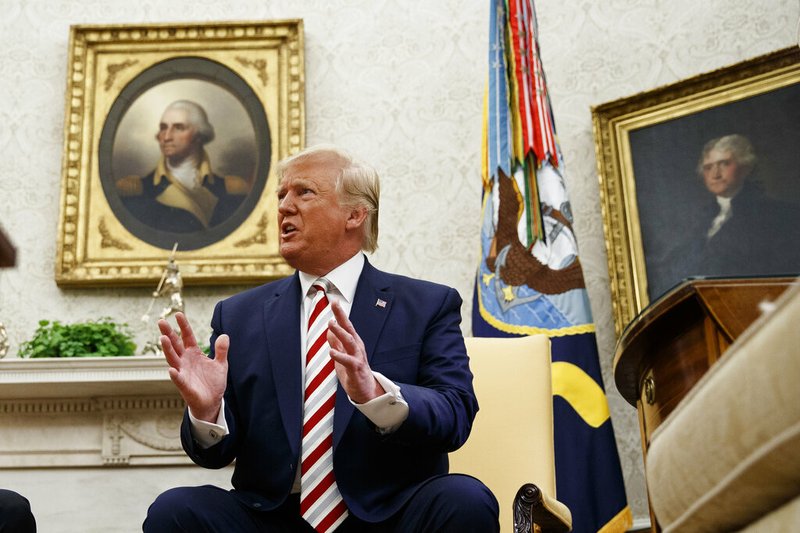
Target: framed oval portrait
x=184, y=153
x=171, y=136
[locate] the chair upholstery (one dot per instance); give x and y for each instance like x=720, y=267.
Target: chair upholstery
x=728, y=457
x=511, y=444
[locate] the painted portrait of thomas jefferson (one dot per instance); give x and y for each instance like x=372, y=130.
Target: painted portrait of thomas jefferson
x=718, y=193
x=187, y=163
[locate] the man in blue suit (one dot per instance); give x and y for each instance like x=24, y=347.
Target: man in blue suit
x=404, y=397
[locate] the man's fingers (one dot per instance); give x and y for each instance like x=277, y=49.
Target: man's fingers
x=187, y=335
x=176, y=377
x=342, y=319
x=221, y=347
x=167, y=330
x=170, y=354
x=334, y=341
x=344, y=322
x=164, y=327
x=345, y=340
x=342, y=358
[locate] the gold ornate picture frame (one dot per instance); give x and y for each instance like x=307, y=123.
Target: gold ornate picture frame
x=649, y=148
x=248, y=79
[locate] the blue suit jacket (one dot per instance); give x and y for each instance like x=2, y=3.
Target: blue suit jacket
x=415, y=340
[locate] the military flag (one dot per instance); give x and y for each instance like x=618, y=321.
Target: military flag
x=530, y=278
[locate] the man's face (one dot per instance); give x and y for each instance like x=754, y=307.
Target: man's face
x=313, y=225
x=176, y=136
x=722, y=174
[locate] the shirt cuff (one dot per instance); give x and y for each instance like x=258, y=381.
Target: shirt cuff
x=207, y=434
x=387, y=411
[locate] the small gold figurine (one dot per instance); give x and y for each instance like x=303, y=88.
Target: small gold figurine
x=170, y=286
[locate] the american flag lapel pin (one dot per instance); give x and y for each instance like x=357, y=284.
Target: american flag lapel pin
x=380, y=303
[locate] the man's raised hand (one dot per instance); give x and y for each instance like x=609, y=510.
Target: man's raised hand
x=200, y=380
x=350, y=359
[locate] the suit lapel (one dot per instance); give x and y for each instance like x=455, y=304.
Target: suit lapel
x=371, y=307
x=282, y=333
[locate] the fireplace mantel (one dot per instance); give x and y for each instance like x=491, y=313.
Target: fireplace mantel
x=83, y=377
x=89, y=412
x=92, y=441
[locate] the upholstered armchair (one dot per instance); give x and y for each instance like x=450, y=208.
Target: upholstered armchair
x=727, y=458
x=511, y=445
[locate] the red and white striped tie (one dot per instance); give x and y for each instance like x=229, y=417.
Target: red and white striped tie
x=321, y=504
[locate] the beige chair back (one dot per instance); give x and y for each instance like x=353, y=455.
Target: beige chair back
x=512, y=438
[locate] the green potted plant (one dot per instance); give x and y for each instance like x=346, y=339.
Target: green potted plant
x=93, y=338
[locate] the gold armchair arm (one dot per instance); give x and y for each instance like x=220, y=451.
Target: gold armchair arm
x=534, y=511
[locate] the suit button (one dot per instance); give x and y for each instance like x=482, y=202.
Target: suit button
x=256, y=505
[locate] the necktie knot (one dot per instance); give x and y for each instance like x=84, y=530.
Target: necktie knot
x=320, y=284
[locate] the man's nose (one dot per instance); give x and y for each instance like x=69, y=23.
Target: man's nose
x=714, y=170
x=286, y=204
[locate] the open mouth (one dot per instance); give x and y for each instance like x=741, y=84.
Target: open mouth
x=287, y=229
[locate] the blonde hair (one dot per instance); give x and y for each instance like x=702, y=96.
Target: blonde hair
x=357, y=184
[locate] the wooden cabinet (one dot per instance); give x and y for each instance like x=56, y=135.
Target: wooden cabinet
x=664, y=351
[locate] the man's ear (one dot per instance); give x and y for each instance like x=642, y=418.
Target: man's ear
x=357, y=217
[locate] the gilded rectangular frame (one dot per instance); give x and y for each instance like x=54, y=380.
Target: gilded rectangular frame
x=615, y=122
x=253, y=70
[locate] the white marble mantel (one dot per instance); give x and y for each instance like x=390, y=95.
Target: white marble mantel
x=83, y=377
x=88, y=412
x=92, y=441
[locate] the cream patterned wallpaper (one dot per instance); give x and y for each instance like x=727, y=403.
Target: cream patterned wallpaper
x=399, y=84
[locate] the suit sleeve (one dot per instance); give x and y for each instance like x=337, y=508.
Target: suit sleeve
x=442, y=403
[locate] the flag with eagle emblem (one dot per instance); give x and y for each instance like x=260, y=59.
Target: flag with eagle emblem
x=530, y=278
